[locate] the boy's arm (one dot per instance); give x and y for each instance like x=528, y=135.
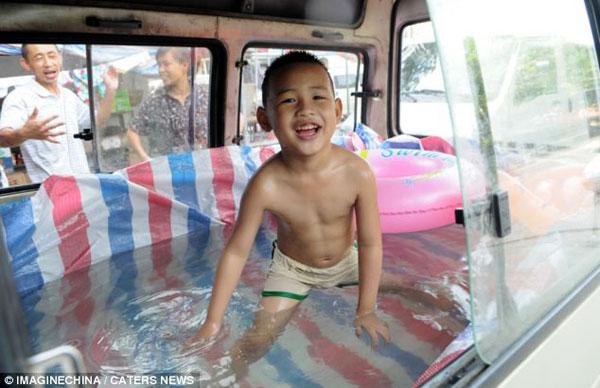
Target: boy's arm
x=234, y=256
x=370, y=257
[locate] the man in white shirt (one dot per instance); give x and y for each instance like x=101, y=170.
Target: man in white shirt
x=41, y=117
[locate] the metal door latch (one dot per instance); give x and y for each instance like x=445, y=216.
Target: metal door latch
x=86, y=134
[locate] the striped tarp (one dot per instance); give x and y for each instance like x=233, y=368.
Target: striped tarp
x=86, y=252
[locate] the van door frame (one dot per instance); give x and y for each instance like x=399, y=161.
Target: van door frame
x=404, y=13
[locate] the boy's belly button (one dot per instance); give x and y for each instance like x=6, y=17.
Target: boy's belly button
x=325, y=262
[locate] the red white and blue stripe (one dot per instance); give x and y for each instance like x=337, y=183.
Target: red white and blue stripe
x=78, y=233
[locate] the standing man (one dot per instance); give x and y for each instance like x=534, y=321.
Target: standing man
x=41, y=117
x=172, y=120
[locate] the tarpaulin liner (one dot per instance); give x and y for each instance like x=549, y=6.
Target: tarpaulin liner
x=121, y=266
x=74, y=222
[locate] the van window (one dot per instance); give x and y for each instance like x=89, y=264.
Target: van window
x=140, y=96
x=424, y=107
x=346, y=73
x=161, y=105
x=422, y=89
x=536, y=74
x=528, y=140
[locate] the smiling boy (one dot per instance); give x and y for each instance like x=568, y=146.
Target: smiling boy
x=314, y=189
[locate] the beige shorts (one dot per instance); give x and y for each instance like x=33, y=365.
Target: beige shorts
x=290, y=279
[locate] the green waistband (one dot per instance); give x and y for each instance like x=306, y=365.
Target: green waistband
x=284, y=295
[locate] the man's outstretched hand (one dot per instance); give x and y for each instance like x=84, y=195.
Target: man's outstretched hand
x=38, y=129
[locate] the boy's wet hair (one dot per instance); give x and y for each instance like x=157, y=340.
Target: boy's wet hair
x=287, y=59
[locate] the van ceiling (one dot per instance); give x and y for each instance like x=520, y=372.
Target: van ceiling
x=348, y=13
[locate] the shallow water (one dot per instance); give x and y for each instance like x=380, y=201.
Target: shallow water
x=132, y=314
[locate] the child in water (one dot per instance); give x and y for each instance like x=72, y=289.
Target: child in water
x=314, y=189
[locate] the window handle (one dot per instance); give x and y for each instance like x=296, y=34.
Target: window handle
x=499, y=208
x=459, y=216
x=501, y=213
x=86, y=134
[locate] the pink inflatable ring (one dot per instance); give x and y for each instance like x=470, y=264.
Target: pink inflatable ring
x=416, y=190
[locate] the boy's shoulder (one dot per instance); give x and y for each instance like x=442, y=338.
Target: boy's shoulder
x=351, y=160
x=264, y=183
x=268, y=169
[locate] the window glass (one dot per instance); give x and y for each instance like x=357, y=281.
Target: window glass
x=345, y=69
x=525, y=125
x=536, y=74
x=422, y=89
x=161, y=104
x=22, y=91
x=581, y=74
x=423, y=103
x=141, y=97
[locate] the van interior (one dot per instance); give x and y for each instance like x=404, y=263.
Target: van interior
x=110, y=272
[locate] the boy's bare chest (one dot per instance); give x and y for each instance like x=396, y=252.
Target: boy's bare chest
x=317, y=202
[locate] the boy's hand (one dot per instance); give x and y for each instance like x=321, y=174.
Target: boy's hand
x=373, y=325
x=207, y=332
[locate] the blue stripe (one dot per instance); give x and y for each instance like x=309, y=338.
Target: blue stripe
x=183, y=178
x=288, y=371
x=123, y=269
x=249, y=164
x=195, y=262
x=278, y=356
x=264, y=242
x=183, y=181
x=115, y=192
x=25, y=267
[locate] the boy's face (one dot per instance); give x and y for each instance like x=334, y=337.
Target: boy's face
x=301, y=108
